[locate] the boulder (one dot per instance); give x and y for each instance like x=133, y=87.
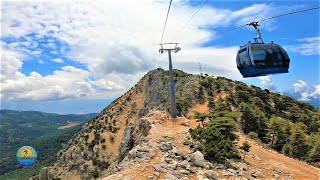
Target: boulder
x=170, y=177
x=186, y=142
x=185, y=124
x=258, y=174
x=192, y=169
x=208, y=165
x=211, y=174
x=166, y=146
x=144, y=126
x=242, y=166
x=184, y=164
x=157, y=167
x=173, y=166
x=183, y=171
x=197, y=158
x=185, y=156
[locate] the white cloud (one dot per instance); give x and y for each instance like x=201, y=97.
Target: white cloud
x=267, y=82
x=305, y=96
x=57, y=60
x=69, y=82
x=107, y=84
x=116, y=41
x=305, y=93
x=306, y=47
x=41, y=61
x=10, y=65
x=300, y=86
x=316, y=92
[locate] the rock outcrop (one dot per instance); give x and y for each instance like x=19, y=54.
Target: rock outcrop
x=163, y=155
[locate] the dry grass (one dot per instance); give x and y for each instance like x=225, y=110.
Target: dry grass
x=71, y=124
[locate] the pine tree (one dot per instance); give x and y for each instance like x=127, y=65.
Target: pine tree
x=314, y=153
x=298, y=144
x=200, y=95
x=217, y=138
x=278, y=132
x=246, y=147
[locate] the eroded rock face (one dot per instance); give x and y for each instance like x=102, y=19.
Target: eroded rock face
x=133, y=134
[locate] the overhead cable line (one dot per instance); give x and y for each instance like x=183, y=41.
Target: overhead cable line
x=182, y=27
x=164, y=27
x=294, y=12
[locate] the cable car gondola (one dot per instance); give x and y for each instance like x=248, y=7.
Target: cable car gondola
x=260, y=59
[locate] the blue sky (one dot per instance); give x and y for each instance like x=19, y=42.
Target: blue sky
x=76, y=56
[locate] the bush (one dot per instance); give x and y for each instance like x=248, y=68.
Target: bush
x=95, y=173
x=81, y=147
x=104, y=146
x=183, y=105
x=253, y=135
x=111, y=138
x=217, y=139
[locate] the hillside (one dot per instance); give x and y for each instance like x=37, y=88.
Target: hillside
x=47, y=147
x=134, y=132
x=19, y=128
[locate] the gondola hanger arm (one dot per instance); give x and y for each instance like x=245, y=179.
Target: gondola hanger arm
x=256, y=27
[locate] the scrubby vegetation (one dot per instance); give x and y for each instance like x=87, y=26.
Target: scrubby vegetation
x=286, y=125
x=217, y=138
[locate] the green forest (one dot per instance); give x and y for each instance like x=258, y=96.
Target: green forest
x=284, y=124
x=36, y=129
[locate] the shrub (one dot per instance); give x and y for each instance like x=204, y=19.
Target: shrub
x=183, y=105
x=253, y=135
x=95, y=173
x=111, y=138
x=104, y=146
x=217, y=139
x=81, y=147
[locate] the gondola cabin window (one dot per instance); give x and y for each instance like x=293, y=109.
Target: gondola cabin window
x=243, y=59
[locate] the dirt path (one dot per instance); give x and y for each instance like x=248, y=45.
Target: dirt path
x=70, y=125
x=268, y=160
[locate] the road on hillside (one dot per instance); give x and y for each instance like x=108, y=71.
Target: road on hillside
x=270, y=161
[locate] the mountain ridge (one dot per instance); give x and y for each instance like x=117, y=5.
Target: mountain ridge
x=106, y=140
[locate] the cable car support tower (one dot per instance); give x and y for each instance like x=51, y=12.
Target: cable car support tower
x=171, y=85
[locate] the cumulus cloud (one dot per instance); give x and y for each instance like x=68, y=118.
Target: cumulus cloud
x=316, y=92
x=306, y=46
x=41, y=61
x=267, y=82
x=300, y=86
x=66, y=83
x=115, y=42
x=306, y=94
x=57, y=60
x=107, y=84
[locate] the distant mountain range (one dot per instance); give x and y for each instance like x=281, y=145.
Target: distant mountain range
x=47, y=131
x=295, y=95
